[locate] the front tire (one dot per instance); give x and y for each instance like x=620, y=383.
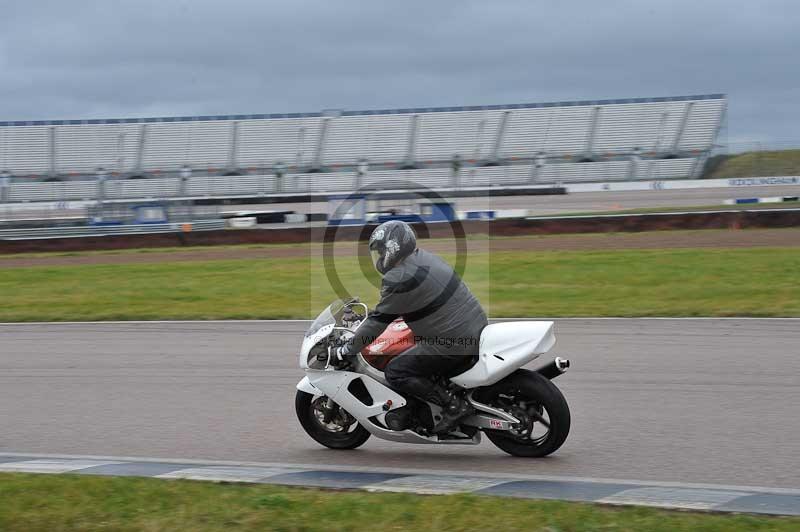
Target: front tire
x=343, y=432
x=530, y=395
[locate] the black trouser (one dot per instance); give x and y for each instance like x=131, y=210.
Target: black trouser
x=412, y=371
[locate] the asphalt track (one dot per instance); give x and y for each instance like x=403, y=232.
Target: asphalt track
x=580, y=202
x=698, y=401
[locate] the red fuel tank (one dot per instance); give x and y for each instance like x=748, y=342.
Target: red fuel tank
x=395, y=340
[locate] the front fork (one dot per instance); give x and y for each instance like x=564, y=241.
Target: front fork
x=329, y=410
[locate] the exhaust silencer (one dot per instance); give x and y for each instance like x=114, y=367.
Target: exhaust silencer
x=554, y=368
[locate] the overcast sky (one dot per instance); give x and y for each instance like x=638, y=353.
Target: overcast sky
x=131, y=58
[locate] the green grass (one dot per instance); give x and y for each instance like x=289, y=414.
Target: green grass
x=34, y=503
x=145, y=251
x=754, y=164
x=679, y=282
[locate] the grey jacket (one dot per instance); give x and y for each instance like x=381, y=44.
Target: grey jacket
x=438, y=307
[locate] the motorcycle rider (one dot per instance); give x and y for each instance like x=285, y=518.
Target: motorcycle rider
x=440, y=310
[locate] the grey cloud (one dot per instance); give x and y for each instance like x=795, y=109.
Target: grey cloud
x=146, y=57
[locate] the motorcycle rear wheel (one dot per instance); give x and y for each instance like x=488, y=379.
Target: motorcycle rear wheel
x=539, y=397
x=331, y=435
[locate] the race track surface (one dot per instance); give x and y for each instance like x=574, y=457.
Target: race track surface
x=706, y=401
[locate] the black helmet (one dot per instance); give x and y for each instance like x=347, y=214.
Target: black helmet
x=390, y=243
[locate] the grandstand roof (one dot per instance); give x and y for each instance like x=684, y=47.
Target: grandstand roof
x=357, y=113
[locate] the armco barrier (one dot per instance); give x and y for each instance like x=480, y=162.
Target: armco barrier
x=773, y=199
x=504, y=227
x=46, y=233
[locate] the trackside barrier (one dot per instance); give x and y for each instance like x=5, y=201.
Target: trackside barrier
x=478, y=215
x=246, y=222
x=776, y=199
x=296, y=218
x=75, y=232
x=499, y=227
x=682, y=184
x=479, y=181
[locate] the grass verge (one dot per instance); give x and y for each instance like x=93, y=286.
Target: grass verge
x=755, y=164
x=33, y=503
x=679, y=282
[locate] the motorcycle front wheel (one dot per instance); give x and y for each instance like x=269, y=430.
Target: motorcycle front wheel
x=339, y=431
x=541, y=407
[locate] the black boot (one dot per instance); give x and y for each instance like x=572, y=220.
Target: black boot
x=453, y=409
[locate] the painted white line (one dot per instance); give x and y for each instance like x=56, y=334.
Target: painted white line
x=228, y=474
x=695, y=499
x=410, y=471
x=52, y=465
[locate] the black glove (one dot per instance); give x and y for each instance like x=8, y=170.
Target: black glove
x=342, y=357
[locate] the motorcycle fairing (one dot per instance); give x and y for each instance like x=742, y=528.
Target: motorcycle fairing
x=335, y=384
x=305, y=386
x=310, y=341
x=505, y=347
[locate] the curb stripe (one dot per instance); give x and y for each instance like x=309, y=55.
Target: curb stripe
x=689, y=497
x=225, y=474
x=51, y=466
x=186, y=463
x=434, y=484
x=694, y=499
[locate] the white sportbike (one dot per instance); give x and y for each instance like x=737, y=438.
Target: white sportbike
x=521, y=411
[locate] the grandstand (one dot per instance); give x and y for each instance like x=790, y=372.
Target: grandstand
x=643, y=138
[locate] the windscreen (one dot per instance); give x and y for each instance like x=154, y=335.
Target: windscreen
x=326, y=317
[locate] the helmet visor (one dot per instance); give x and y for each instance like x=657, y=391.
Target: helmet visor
x=375, y=255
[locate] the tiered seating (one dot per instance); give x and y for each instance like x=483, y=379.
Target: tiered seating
x=381, y=139
x=82, y=148
x=648, y=127
x=263, y=142
x=601, y=135
x=553, y=130
x=25, y=150
x=471, y=134
x=168, y=145
x=701, y=129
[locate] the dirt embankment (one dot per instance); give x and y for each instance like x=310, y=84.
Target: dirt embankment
x=496, y=228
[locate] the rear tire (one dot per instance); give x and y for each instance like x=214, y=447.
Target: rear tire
x=306, y=414
x=541, y=394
